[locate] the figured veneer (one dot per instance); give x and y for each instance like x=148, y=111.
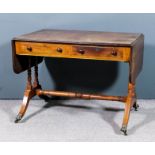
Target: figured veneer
x=73, y=51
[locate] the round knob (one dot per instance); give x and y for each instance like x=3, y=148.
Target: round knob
x=81, y=51
x=114, y=53
x=29, y=49
x=59, y=50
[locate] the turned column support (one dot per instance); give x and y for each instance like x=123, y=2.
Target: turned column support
x=36, y=84
x=29, y=80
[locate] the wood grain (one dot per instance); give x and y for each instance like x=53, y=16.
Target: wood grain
x=80, y=95
x=73, y=51
x=81, y=37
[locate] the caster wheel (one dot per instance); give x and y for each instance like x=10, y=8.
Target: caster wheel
x=124, y=130
x=18, y=118
x=136, y=106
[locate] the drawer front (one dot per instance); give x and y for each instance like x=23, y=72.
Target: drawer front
x=42, y=49
x=73, y=51
x=101, y=53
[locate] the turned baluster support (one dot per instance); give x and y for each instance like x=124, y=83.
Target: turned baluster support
x=36, y=84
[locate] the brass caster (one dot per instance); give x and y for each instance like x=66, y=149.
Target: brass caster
x=124, y=130
x=18, y=118
x=136, y=106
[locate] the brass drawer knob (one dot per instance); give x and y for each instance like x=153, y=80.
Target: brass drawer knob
x=81, y=51
x=114, y=53
x=29, y=49
x=59, y=50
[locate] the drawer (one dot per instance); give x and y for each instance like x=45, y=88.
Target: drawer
x=73, y=51
x=42, y=49
x=101, y=53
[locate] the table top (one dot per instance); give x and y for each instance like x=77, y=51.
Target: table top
x=81, y=37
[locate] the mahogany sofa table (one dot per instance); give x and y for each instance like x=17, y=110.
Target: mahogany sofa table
x=30, y=49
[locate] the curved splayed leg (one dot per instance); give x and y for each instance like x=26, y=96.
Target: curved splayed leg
x=28, y=94
x=131, y=99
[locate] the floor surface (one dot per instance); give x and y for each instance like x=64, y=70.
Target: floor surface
x=76, y=120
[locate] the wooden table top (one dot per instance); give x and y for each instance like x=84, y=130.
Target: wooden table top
x=41, y=43
x=82, y=37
